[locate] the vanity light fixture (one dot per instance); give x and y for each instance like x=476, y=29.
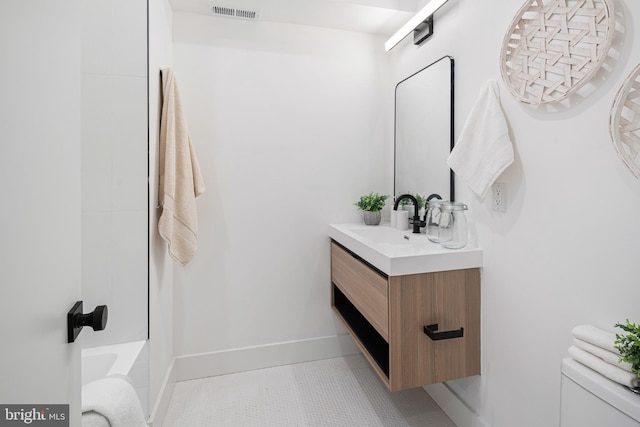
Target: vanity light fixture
x=421, y=25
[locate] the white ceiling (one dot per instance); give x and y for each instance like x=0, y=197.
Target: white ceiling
x=369, y=16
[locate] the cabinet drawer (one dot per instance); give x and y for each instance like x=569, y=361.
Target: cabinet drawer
x=367, y=290
x=450, y=299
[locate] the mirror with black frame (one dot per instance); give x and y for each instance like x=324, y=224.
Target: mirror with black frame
x=424, y=132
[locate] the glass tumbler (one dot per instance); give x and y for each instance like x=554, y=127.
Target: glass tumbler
x=433, y=219
x=452, y=227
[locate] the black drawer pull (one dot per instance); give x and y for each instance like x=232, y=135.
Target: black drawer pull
x=430, y=331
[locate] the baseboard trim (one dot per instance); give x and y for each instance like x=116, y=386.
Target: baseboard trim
x=164, y=396
x=457, y=410
x=211, y=364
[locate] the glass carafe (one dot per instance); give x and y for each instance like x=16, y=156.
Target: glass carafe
x=433, y=219
x=452, y=227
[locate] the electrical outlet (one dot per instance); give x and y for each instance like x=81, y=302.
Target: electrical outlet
x=499, y=201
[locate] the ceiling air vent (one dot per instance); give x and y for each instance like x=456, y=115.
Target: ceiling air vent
x=231, y=12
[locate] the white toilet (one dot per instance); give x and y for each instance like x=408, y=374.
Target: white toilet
x=590, y=400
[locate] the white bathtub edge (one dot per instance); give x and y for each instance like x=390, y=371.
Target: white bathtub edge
x=127, y=354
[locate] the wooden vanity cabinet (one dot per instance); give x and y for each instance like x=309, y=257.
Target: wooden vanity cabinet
x=387, y=315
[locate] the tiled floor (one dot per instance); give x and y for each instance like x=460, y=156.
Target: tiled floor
x=341, y=392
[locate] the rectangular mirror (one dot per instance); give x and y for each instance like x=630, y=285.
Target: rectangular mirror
x=424, y=131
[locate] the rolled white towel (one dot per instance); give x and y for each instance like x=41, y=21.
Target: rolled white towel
x=93, y=419
x=606, y=355
x=608, y=370
x=116, y=400
x=597, y=337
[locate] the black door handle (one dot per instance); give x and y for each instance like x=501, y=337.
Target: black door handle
x=430, y=331
x=76, y=320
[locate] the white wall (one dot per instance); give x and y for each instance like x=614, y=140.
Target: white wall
x=290, y=124
x=160, y=265
x=114, y=175
x=565, y=252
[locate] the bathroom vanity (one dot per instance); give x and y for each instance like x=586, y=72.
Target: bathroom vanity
x=411, y=306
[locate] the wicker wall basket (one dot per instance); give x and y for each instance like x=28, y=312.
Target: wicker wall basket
x=553, y=47
x=624, y=124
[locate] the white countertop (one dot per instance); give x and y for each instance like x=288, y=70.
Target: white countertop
x=397, y=252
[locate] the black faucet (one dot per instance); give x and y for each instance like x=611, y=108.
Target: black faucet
x=416, y=215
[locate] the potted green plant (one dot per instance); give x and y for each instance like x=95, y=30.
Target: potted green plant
x=371, y=205
x=629, y=345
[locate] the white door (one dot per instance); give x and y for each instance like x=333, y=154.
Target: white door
x=39, y=201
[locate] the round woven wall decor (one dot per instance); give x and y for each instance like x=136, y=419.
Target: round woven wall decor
x=624, y=124
x=555, y=46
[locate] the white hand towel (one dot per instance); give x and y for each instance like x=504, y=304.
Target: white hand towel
x=114, y=399
x=606, y=355
x=608, y=370
x=180, y=178
x=596, y=336
x=483, y=150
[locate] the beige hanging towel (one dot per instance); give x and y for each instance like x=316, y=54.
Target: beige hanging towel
x=180, y=178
